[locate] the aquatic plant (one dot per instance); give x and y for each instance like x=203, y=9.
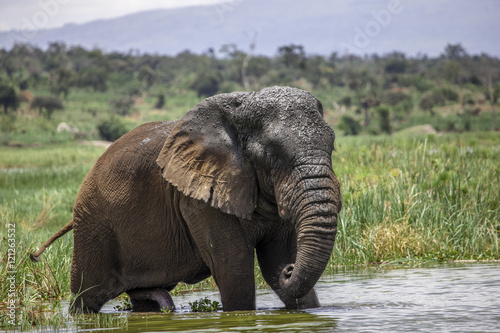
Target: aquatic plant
x=204, y=305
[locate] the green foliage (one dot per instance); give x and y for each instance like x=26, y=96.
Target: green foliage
x=207, y=83
x=468, y=100
x=46, y=105
x=454, y=51
x=160, y=102
x=95, y=78
x=496, y=94
x=204, y=305
x=8, y=98
x=292, y=56
x=95, y=84
x=418, y=197
x=350, y=125
x=431, y=99
x=448, y=93
x=418, y=82
x=385, y=120
x=346, y=100
x=122, y=106
x=396, y=66
x=112, y=128
x=124, y=305
x=392, y=97
x=62, y=80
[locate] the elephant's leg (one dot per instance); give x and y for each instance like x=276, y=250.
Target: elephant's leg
x=273, y=257
x=90, y=294
x=225, y=249
x=151, y=300
x=95, y=273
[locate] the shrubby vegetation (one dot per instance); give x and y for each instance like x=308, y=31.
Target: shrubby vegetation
x=372, y=94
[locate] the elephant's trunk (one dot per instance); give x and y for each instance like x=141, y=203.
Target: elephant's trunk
x=315, y=215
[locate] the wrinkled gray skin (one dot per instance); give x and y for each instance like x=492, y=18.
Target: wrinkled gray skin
x=183, y=200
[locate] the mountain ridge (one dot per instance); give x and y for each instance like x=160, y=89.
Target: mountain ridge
x=353, y=27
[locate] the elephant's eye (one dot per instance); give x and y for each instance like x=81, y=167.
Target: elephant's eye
x=271, y=154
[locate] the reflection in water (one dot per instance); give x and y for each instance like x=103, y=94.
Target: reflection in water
x=449, y=298
x=261, y=321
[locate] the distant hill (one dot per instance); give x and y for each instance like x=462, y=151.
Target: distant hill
x=321, y=26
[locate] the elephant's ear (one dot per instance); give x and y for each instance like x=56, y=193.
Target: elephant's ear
x=203, y=157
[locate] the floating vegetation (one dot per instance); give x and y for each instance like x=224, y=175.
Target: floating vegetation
x=204, y=305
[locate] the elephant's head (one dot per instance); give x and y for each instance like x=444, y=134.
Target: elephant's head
x=263, y=153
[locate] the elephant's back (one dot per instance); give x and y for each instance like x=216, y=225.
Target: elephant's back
x=144, y=140
x=126, y=169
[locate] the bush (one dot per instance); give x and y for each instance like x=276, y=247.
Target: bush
x=350, y=125
x=346, y=101
x=396, y=66
x=112, y=129
x=448, y=93
x=8, y=98
x=431, y=99
x=207, y=84
x=48, y=104
x=414, y=80
x=122, y=106
x=395, y=97
x=385, y=120
x=161, y=101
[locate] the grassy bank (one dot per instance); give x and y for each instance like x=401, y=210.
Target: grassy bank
x=427, y=198
x=430, y=198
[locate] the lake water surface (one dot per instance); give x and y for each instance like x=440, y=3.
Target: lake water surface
x=443, y=298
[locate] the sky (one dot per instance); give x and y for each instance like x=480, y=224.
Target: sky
x=356, y=26
x=21, y=14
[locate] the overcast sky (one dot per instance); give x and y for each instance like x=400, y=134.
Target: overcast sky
x=416, y=26
x=17, y=14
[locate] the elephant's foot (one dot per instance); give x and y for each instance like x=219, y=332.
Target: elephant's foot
x=151, y=300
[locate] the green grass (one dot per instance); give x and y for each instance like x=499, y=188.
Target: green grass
x=430, y=198
x=405, y=199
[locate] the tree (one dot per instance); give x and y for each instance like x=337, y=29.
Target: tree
x=55, y=56
x=396, y=64
x=61, y=80
x=431, y=99
x=292, y=56
x=94, y=77
x=367, y=104
x=147, y=76
x=350, y=125
x=363, y=84
x=122, y=106
x=385, y=120
x=207, y=83
x=161, y=101
x=8, y=98
x=454, y=51
x=112, y=129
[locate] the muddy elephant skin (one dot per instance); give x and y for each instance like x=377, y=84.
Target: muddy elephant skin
x=240, y=173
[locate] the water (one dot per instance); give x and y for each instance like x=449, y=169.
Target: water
x=444, y=298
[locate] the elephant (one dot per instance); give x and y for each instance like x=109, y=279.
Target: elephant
x=240, y=174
